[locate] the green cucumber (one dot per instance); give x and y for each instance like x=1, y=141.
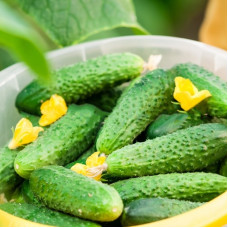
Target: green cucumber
x=186, y=150
x=153, y=209
x=63, y=141
x=197, y=187
x=44, y=215
x=136, y=108
x=82, y=80
x=223, y=168
x=67, y=191
x=203, y=79
x=9, y=179
x=166, y=124
x=83, y=157
x=213, y=168
x=28, y=195
x=33, y=119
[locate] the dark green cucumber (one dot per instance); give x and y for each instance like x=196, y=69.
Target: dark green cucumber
x=63, y=141
x=203, y=79
x=81, y=80
x=213, y=168
x=223, y=168
x=9, y=179
x=83, y=157
x=197, y=187
x=186, y=150
x=166, y=124
x=65, y=190
x=44, y=215
x=153, y=209
x=136, y=108
x=28, y=195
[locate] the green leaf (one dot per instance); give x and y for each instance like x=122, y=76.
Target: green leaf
x=16, y=35
x=71, y=21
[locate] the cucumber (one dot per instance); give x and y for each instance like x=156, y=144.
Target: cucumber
x=186, y=150
x=196, y=187
x=136, y=108
x=223, y=168
x=33, y=119
x=166, y=124
x=63, y=141
x=107, y=100
x=81, y=80
x=9, y=179
x=28, y=195
x=67, y=191
x=213, y=168
x=153, y=209
x=83, y=157
x=44, y=215
x=203, y=79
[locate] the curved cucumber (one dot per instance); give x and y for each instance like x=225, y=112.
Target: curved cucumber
x=9, y=179
x=44, y=215
x=197, y=187
x=136, y=108
x=153, y=209
x=166, y=124
x=64, y=190
x=203, y=79
x=186, y=150
x=81, y=80
x=223, y=168
x=62, y=142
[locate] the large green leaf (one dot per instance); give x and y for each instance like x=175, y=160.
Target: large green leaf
x=71, y=21
x=16, y=35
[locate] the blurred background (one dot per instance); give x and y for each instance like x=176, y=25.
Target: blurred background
x=203, y=20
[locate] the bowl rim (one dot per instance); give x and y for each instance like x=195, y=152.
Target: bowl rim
x=212, y=213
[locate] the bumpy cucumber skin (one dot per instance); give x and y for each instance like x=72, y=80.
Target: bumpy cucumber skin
x=135, y=109
x=81, y=80
x=9, y=179
x=83, y=157
x=65, y=190
x=197, y=187
x=186, y=150
x=166, y=124
x=203, y=79
x=153, y=209
x=223, y=168
x=44, y=215
x=28, y=195
x=62, y=142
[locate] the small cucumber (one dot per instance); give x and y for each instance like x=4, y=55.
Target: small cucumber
x=223, y=168
x=67, y=191
x=197, y=187
x=136, y=108
x=166, y=124
x=44, y=215
x=63, y=141
x=186, y=150
x=83, y=157
x=203, y=79
x=9, y=179
x=82, y=80
x=153, y=209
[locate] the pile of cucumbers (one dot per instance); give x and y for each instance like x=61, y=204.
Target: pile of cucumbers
x=160, y=161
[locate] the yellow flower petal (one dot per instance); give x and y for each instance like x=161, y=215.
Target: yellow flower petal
x=80, y=168
x=94, y=160
x=52, y=110
x=24, y=133
x=187, y=94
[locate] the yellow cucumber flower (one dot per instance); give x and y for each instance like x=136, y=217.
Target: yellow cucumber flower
x=94, y=167
x=187, y=94
x=52, y=110
x=24, y=133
